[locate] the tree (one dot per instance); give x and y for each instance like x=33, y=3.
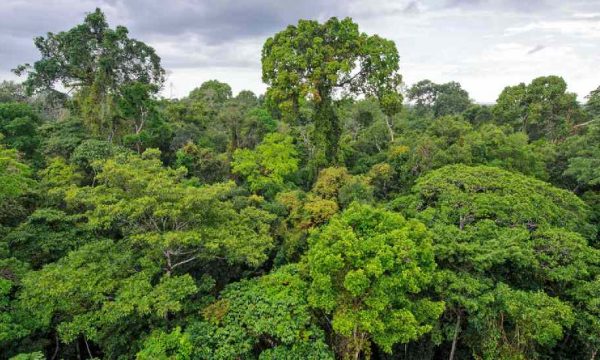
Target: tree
x=268, y=317
x=257, y=124
x=452, y=140
x=337, y=184
x=510, y=249
x=16, y=186
x=137, y=106
x=213, y=94
x=18, y=124
x=368, y=132
x=313, y=61
x=368, y=269
x=175, y=228
x=60, y=138
x=96, y=62
x=584, y=157
x=11, y=92
x=593, y=102
x=542, y=109
x=439, y=99
x=203, y=163
x=46, y=236
x=102, y=285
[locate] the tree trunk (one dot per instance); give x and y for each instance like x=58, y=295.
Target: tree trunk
x=327, y=131
x=87, y=346
x=56, y=347
x=389, y=126
x=455, y=339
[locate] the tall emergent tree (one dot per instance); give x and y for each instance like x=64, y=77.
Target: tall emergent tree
x=94, y=62
x=543, y=109
x=439, y=99
x=313, y=61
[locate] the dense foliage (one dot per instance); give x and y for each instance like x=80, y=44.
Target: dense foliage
x=327, y=219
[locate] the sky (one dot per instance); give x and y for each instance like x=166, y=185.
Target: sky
x=483, y=44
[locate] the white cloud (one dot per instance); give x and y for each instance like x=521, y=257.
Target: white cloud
x=586, y=29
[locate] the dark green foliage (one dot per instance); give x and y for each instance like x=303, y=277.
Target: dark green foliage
x=71, y=58
x=511, y=248
x=60, y=138
x=439, y=99
x=543, y=108
x=265, y=317
x=46, y=236
x=18, y=123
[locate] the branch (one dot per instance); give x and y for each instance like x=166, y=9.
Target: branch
x=183, y=262
x=585, y=123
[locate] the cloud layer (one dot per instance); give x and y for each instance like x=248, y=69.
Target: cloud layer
x=483, y=44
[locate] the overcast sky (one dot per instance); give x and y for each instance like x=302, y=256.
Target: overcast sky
x=483, y=44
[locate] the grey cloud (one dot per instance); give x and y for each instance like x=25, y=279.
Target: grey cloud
x=218, y=21
x=412, y=8
x=536, y=49
x=199, y=24
x=433, y=36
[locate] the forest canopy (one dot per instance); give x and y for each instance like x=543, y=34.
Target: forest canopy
x=341, y=215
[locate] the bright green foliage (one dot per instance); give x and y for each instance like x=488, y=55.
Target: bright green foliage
x=101, y=285
x=178, y=226
x=312, y=60
x=166, y=346
x=12, y=326
x=16, y=188
x=58, y=177
x=92, y=150
x=15, y=177
x=38, y=355
x=266, y=167
x=272, y=307
x=588, y=318
x=320, y=220
x=542, y=109
x=367, y=268
x=450, y=140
